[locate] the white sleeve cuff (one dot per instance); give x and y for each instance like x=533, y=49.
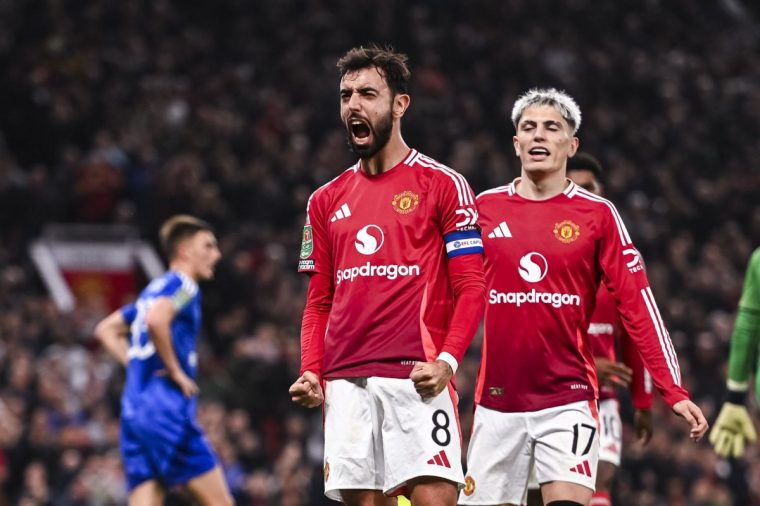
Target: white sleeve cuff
x=734, y=386
x=449, y=359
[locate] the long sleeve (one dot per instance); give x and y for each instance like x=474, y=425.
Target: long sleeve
x=624, y=275
x=314, y=323
x=746, y=335
x=641, y=380
x=469, y=289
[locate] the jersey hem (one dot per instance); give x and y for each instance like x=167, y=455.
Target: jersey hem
x=544, y=403
x=379, y=369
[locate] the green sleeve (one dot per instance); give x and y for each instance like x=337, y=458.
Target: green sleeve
x=746, y=335
x=751, y=291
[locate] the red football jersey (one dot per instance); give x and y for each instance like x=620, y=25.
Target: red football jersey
x=384, y=240
x=544, y=261
x=605, y=332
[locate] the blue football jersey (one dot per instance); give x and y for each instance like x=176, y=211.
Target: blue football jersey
x=144, y=362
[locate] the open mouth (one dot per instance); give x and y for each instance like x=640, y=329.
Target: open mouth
x=360, y=130
x=538, y=153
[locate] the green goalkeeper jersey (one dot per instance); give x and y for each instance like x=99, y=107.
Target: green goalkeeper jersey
x=746, y=335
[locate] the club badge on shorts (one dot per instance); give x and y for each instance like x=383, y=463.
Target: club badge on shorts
x=469, y=486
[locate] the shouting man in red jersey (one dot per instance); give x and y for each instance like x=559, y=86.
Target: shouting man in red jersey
x=396, y=292
x=548, y=244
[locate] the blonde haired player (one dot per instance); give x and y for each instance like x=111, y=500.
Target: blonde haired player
x=548, y=244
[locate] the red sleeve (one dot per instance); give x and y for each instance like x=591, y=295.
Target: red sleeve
x=316, y=255
x=641, y=382
x=624, y=275
x=314, y=323
x=469, y=288
x=315, y=259
x=456, y=201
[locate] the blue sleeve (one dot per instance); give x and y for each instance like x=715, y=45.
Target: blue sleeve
x=178, y=291
x=129, y=313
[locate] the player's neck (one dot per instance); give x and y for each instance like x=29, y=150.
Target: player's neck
x=541, y=185
x=384, y=160
x=183, y=268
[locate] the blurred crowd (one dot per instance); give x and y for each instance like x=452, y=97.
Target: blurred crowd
x=128, y=112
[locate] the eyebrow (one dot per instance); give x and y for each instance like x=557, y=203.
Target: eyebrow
x=363, y=89
x=547, y=122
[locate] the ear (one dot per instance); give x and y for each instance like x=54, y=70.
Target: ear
x=516, y=144
x=574, y=145
x=182, y=249
x=400, y=104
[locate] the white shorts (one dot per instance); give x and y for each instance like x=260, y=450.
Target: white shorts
x=379, y=434
x=561, y=442
x=611, y=437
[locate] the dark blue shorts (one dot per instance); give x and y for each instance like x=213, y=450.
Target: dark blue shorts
x=166, y=445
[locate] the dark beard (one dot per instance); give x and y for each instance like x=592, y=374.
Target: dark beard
x=381, y=135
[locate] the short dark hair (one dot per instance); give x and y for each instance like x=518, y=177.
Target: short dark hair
x=393, y=66
x=178, y=228
x=584, y=161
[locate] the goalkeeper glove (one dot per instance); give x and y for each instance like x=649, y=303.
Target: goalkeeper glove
x=732, y=429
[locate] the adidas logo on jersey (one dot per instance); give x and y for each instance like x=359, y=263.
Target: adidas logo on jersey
x=502, y=231
x=583, y=468
x=343, y=212
x=440, y=459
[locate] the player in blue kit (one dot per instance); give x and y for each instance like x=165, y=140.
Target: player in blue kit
x=162, y=444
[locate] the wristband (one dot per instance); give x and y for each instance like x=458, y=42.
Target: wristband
x=449, y=359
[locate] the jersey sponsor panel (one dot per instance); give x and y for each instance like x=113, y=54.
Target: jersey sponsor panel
x=533, y=296
x=368, y=270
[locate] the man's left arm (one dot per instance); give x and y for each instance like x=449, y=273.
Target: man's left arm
x=112, y=332
x=159, y=320
x=624, y=275
x=458, y=217
x=468, y=287
x=640, y=388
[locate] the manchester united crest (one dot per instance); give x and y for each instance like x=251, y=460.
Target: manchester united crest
x=469, y=486
x=405, y=202
x=566, y=231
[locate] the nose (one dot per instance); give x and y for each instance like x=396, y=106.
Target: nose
x=354, y=102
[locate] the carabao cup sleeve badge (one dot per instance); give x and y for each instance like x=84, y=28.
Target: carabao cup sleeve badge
x=307, y=243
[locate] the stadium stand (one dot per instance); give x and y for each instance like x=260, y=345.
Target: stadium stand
x=129, y=112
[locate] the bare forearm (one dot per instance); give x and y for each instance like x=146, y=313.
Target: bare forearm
x=111, y=332
x=117, y=348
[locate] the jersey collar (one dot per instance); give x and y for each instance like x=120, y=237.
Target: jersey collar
x=570, y=190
